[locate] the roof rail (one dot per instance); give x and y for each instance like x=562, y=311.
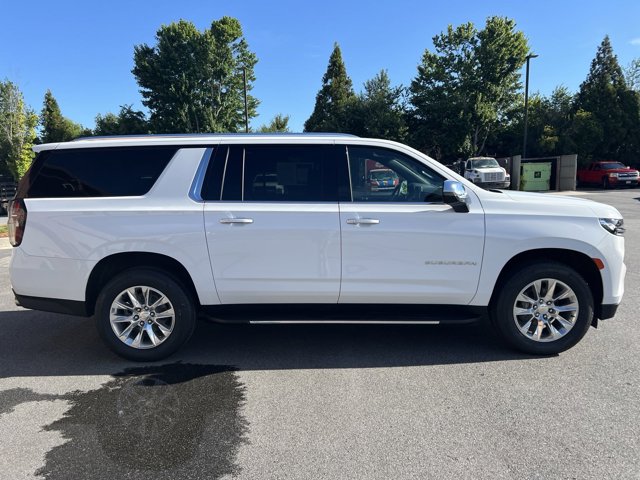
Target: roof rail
x=196, y=135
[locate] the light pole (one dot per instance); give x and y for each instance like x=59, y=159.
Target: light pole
x=246, y=110
x=526, y=106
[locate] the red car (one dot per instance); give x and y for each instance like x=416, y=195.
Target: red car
x=608, y=174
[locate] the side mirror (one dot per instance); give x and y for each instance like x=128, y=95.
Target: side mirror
x=454, y=194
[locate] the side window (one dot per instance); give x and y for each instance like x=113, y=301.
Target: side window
x=384, y=175
x=283, y=173
x=98, y=172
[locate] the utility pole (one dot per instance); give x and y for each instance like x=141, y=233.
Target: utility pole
x=246, y=109
x=526, y=107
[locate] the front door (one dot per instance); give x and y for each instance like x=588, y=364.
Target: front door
x=400, y=242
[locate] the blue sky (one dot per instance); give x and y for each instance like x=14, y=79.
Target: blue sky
x=83, y=51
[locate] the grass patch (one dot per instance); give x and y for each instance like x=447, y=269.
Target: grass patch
x=3, y=231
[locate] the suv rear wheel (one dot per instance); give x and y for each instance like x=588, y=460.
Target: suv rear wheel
x=543, y=308
x=144, y=314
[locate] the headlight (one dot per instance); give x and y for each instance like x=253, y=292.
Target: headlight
x=613, y=225
x=614, y=175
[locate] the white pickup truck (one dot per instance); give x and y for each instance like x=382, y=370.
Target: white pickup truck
x=486, y=172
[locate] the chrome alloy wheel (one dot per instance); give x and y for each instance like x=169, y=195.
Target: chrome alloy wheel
x=545, y=310
x=142, y=317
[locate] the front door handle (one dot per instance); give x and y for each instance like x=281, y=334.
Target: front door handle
x=363, y=221
x=242, y=221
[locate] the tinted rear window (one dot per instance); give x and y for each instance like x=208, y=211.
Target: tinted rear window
x=98, y=172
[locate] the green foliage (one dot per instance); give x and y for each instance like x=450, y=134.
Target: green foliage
x=333, y=101
x=279, y=123
x=192, y=81
x=55, y=127
x=127, y=122
x=632, y=75
x=466, y=87
x=379, y=111
x=611, y=105
x=17, y=130
x=550, y=120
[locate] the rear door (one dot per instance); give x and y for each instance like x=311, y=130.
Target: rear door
x=272, y=223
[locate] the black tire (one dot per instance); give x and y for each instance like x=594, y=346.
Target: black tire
x=502, y=309
x=179, y=297
x=605, y=183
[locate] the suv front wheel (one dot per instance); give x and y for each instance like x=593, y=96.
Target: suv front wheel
x=543, y=308
x=144, y=314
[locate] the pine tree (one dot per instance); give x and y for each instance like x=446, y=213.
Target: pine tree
x=55, y=127
x=279, y=124
x=605, y=97
x=330, y=113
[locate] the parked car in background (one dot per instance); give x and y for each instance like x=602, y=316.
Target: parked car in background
x=7, y=192
x=608, y=174
x=382, y=179
x=486, y=172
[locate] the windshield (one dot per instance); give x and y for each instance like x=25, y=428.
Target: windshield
x=484, y=163
x=611, y=166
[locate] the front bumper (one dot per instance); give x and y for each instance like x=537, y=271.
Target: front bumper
x=505, y=184
x=623, y=182
x=607, y=311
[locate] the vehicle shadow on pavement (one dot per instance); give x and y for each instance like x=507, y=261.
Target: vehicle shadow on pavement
x=43, y=344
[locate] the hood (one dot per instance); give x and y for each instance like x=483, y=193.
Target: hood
x=489, y=169
x=551, y=203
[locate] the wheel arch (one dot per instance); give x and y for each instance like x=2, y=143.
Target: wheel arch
x=580, y=262
x=117, y=263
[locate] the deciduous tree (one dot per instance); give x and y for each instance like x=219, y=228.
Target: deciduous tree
x=17, y=130
x=192, y=81
x=379, y=110
x=127, y=122
x=467, y=86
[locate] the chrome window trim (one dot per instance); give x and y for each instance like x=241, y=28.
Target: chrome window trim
x=346, y=149
x=224, y=172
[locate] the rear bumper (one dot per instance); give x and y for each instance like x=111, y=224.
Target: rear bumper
x=55, y=305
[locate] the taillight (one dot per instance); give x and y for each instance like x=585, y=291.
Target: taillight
x=17, y=221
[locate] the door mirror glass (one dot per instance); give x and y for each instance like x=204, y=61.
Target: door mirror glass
x=455, y=194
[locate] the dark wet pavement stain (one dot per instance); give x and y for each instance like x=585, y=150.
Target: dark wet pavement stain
x=10, y=399
x=175, y=421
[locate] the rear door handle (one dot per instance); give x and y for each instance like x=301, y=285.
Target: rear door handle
x=236, y=220
x=363, y=221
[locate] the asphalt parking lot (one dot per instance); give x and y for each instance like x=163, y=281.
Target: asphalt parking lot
x=322, y=401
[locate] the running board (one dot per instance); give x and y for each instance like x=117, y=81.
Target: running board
x=349, y=322
x=382, y=314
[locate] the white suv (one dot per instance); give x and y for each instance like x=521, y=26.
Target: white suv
x=146, y=232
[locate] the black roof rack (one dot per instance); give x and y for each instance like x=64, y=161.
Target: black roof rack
x=196, y=135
